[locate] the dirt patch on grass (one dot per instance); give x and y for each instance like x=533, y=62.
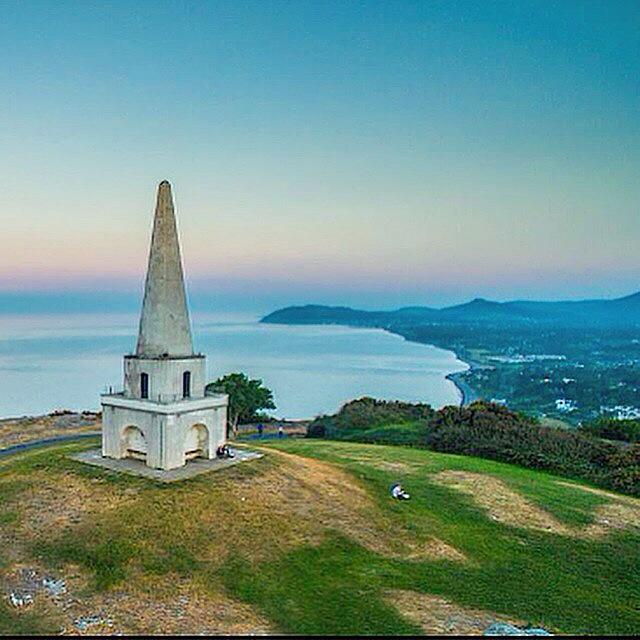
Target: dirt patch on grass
x=438, y=616
x=434, y=548
x=509, y=507
x=184, y=611
x=384, y=465
x=396, y=467
x=617, y=497
x=621, y=512
x=163, y=605
x=614, y=515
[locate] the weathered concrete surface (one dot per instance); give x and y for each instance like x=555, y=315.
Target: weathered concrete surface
x=164, y=323
x=137, y=468
x=165, y=377
x=163, y=434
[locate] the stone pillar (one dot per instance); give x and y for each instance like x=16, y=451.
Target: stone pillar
x=174, y=442
x=155, y=438
x=111, y=445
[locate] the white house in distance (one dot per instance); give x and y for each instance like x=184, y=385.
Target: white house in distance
x=162, y=416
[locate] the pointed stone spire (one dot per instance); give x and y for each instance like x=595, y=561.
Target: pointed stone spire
x=164, y=323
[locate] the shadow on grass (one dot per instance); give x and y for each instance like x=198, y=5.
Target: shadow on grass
x=336, y=588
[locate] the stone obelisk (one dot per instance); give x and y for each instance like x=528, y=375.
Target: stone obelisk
x=164, y=323
x=163, y=416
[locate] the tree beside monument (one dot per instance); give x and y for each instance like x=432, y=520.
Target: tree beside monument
x=247, y=397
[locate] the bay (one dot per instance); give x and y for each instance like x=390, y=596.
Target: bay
x=50, y=362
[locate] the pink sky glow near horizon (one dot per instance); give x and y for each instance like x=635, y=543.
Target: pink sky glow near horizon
x=378, y=154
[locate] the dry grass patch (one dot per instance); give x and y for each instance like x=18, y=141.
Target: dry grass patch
x=617, y=497
x=621, y=512
x=166, y=605
x=378, y=463
x=170, y=606
x=438, y=616
x=433, y=548
x=327, y=497
x=614, y=515
x=500, y=501
x=52, y=504
x=509, y=507
x=395, y=467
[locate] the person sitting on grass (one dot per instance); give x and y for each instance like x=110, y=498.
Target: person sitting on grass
x=398, y=492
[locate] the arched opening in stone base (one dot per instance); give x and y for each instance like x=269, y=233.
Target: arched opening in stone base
x=134, y=443
x=196, y=443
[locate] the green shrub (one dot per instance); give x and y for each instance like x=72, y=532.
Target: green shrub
x=491, y=431
x=488, y=431
x=612, y=429
x=359, y=417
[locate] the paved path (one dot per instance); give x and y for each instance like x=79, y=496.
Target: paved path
x=34, y=444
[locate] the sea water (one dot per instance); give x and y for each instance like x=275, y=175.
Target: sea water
x=66, y=361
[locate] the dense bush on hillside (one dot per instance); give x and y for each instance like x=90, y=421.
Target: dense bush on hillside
x=612, y=429
x=489, y=431
x=370, y=420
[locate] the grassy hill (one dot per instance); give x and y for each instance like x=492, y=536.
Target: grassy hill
x=307, y=540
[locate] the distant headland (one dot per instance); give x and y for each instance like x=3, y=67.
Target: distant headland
x=572, y=360
x=617, y=311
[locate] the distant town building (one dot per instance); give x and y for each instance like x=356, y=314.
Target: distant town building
x=163, y=416
x=622, y=412
x=519, y=358
x=564, y=405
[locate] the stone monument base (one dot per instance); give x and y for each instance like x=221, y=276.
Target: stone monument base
x=193, y=468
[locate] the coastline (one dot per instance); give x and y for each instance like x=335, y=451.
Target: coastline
x=466, y=393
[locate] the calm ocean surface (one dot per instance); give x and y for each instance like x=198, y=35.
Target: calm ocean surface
x=66, y=361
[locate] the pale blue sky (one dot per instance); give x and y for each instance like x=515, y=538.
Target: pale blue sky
x=374, y=153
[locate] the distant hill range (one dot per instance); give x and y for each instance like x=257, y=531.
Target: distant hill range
x=617, y=312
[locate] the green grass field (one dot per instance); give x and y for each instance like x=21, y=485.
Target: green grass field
x=307, y=540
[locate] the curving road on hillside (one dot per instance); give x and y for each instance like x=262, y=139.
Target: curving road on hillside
x=34, y=444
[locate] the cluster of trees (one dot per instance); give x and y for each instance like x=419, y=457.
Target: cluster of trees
x=247, y=398
x=489, y=431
